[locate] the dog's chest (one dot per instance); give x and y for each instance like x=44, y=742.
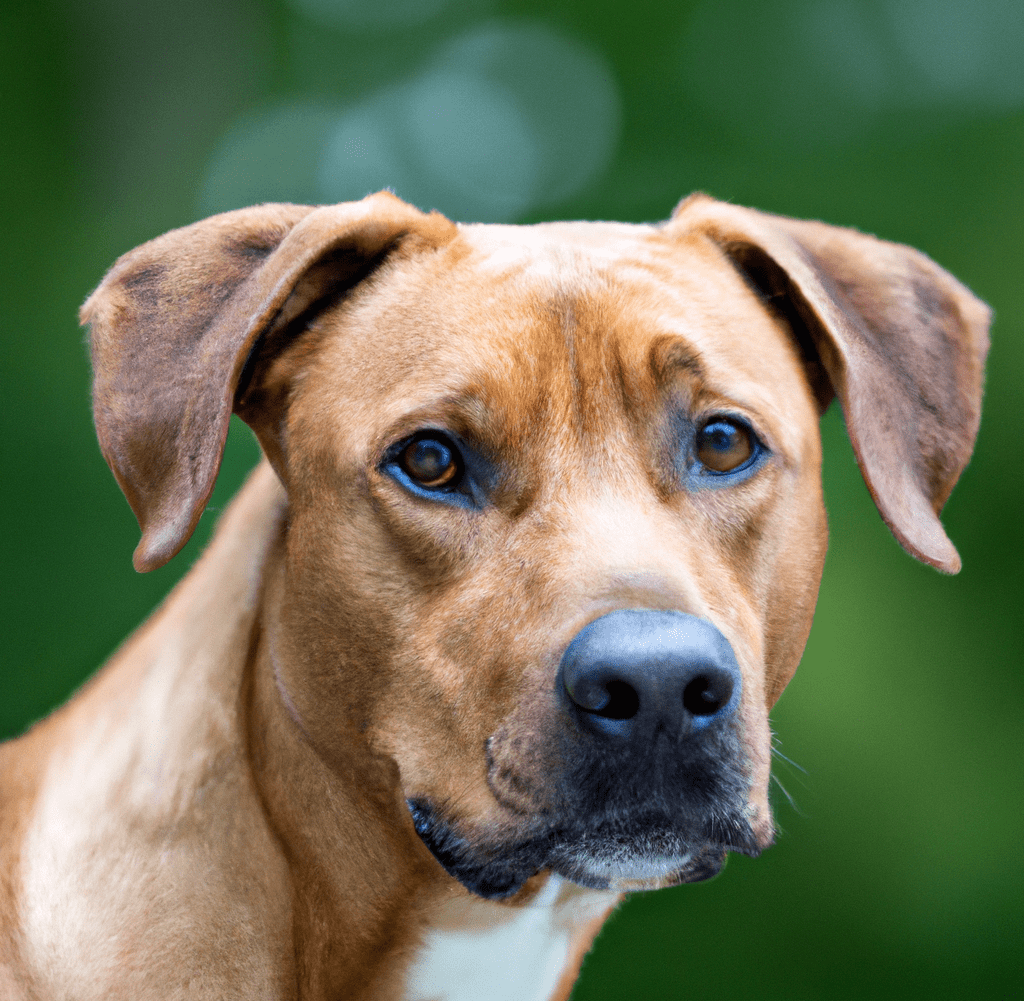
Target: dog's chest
x=476, y=949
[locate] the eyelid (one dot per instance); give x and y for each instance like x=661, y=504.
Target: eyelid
x=748, y=420
x=391, y=452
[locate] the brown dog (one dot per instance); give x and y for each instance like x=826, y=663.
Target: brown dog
x=493, y=636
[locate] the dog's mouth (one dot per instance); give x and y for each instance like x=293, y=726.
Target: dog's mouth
x=642, y=852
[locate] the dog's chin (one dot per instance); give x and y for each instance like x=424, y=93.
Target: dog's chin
x=635, y=869
x=621, y=857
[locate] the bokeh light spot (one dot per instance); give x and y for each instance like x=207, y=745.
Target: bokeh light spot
x=504, y=120
x=964, y=52
x=363, y=154
x=565, y=89
x=473, y=139
x=446, y=140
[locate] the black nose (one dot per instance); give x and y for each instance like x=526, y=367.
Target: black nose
x=634, y=672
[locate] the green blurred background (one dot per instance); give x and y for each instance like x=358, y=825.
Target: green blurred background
x=898, y=870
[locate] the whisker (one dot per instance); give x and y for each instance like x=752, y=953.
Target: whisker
x=785, y=792
x=789, y=761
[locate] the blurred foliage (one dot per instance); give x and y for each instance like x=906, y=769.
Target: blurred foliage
x=897, y=874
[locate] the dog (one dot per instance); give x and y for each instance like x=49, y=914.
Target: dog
x=491, y=636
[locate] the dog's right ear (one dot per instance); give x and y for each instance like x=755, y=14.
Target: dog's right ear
x=175, y=323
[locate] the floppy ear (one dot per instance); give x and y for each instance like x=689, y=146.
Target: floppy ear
x=175, y=321
x=896, y=338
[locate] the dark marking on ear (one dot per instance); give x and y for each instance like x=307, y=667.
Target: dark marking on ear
x=933, y=304
x=145, y=285
x=916, y=332
x=254, y=247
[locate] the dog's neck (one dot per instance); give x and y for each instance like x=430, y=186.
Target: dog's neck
x=353, y=892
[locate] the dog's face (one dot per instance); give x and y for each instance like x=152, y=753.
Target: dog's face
x=555, y=524
x=521, y=439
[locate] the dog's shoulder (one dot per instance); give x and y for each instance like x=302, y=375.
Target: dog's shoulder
x=100, y=803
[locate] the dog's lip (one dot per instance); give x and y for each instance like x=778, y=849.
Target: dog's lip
x=610, y=857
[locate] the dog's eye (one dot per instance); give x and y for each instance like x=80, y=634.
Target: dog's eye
x=724, y=444
x=431, y=461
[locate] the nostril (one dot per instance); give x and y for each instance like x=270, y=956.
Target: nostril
x=706, y=694
x=609, y=699
x=623, y=701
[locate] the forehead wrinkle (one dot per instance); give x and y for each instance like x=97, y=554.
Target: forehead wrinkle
x=590, y=359
x=671, y=357
x=548, y=286
x=546, y=392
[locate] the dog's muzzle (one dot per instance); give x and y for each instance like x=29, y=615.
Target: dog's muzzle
x=651, y=784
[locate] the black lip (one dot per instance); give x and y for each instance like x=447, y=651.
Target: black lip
x=492, y=875
x=499, y=871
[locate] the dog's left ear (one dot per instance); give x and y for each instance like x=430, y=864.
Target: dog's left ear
x=896, y=338
x=179, y=323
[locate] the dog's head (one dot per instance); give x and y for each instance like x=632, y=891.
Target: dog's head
x=555, y=526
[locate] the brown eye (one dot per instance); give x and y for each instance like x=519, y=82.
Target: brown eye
x=431, y=462
x=724, y=444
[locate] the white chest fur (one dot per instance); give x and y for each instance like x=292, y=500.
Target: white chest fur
x=476, y=949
